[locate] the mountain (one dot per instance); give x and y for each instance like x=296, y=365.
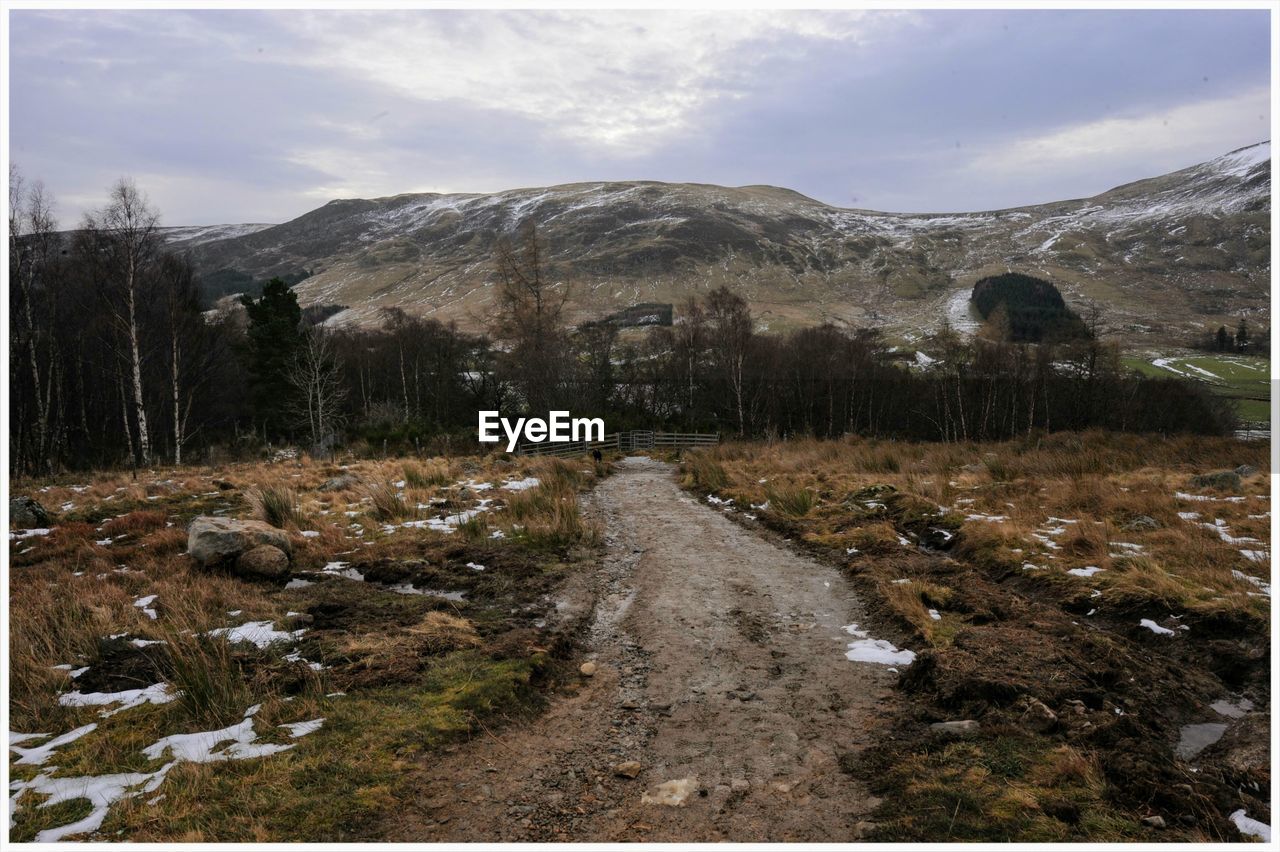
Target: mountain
x=1159, y=257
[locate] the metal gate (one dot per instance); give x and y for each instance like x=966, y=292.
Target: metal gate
x=626, y=442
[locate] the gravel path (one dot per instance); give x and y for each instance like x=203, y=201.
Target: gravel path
x=721, y=668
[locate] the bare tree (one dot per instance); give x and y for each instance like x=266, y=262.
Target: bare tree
x=314, y=374
x=125, y=240
x=188, y=344
x=33, y=244
x=528, y=316
x=730, y=327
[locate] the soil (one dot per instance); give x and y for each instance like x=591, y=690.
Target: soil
x=719, y=666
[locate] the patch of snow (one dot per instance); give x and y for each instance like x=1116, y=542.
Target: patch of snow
x=157, y=693
x=260, y=633
x=1087, y=571
x=864, y=649
x=37, y=755
x=521, y=484
x=1250, y=826
x=1155, y=628
x=144, y=604
x=301, y=729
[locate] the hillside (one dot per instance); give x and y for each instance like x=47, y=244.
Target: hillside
x=1163, y=256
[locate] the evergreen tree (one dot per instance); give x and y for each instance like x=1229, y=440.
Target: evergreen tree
x=273, y=339
x=1242, y=336
x=1224, y=339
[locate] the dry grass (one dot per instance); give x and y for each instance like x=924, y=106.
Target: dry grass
x=115, y=541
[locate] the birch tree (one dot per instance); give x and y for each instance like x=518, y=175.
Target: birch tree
x=125, y=240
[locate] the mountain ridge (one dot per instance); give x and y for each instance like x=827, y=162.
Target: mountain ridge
x=1162, y=255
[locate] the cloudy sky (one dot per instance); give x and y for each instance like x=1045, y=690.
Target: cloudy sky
x=248, y=116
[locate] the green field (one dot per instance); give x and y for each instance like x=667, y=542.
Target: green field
x=1244, y=378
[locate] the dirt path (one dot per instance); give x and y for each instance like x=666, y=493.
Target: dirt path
x=721, y=660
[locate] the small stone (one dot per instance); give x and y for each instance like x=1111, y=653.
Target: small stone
x=1153, y=821
x=1142, y=522
x=1076, y=707
x=224, y=485
x=957, y=728
x=340, y=483
x=587, y=669
x=739, y=785
x=1038, y=717
x=628, y=769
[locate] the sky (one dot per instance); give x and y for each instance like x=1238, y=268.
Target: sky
x=260, y=116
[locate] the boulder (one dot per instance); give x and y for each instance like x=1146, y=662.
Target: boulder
x=265, y=560
x=340, y=483
x=1142, y=522
x=587, y=669
x=1225, y=480
x=25, y=513
x=1245, y=470
x=214, y=541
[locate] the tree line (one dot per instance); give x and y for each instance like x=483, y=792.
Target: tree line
x=114, y=361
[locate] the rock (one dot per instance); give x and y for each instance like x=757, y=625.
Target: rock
x=670, y=793
x=265, y=560
x=340, y=483
x=214, y=541
x=1143, y=522
x=956, y=728
x=25, y=513
x=628, y=769
x=1038, y=717
x=1223, y=480
x=224, y=485
x=587, y=669
x=739, y=785
x=1153, y=821
x=1076, y=707
x=1245, y=470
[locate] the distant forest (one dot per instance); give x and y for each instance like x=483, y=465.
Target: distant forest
x=114, y=362
x=1024, y=309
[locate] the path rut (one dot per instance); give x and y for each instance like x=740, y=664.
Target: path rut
x=721, y=660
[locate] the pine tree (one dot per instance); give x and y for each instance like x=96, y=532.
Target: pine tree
x=273, y=340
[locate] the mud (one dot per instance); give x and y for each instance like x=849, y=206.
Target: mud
x=720, y=664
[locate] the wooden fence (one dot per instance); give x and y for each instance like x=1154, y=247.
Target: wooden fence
x=623, y=442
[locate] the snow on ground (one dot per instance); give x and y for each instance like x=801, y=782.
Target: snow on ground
x=1155, y=628
x=37, y=755
x=1263, y=585
x=1087, y=571
x=157, y=693
x=235, y=742
x=260, y=633
x=144, y=604
x=29, y=533
x=1250, y=826
x=864, y=649
x=521, y=484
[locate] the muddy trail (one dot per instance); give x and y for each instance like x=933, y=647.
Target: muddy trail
x=721, y=683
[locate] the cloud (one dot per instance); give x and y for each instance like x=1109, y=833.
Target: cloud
x=1163, y=138
x=240, y=115
x=624, y=81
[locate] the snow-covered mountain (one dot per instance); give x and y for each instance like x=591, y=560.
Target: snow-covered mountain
x=1159, y=257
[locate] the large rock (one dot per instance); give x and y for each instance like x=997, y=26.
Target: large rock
x=216, y=541
x=1225, y=480
x=25, y=513
x=341, y=483
x=265, y=560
